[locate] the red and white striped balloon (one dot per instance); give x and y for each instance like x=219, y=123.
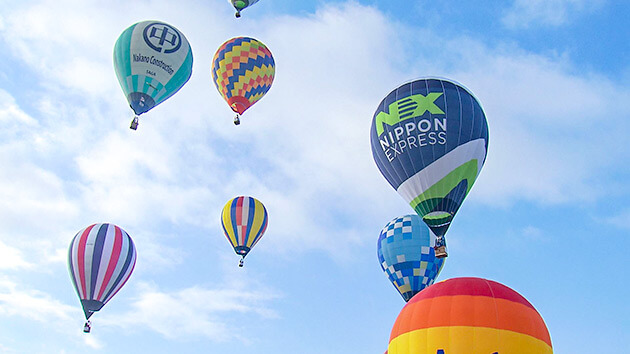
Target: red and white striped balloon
x=100, y=259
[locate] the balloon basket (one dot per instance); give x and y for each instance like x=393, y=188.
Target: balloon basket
x=440, y=251
x=237, y=120
x=134, y=123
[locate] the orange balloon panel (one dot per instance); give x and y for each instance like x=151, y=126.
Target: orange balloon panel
x=469, y=315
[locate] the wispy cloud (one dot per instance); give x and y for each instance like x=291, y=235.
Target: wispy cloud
x=184, y=163
x=17, y=300
x=195, y=311
x=11, y=258
x=621, y=220
x=548, y=141
x=525, y=13
x=33, y=304
x=317, y=114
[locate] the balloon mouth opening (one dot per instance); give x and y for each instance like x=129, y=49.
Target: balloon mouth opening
x=438, y=214
x=90, y=306
x=438, y=218
x=140, y=102
x=239, y=104
x=241, y=250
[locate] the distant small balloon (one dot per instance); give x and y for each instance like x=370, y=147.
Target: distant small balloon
x=240, y=5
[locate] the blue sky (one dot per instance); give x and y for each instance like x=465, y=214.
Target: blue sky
x=548, y=216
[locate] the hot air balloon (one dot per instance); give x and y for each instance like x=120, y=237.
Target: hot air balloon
x=405, y=251
x=469, y=315
x=242, y=70
x=100, y=259
x=152, y=60
x=429, y=139
x=239, y=5
x=244, y=221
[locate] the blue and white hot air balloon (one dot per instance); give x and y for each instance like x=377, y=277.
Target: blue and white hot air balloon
x=152, y=60
x=405, y=252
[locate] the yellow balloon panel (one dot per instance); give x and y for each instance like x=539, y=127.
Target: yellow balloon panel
x=468, y=340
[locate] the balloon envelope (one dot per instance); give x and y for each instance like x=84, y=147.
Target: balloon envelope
x=243, y=70
x=244, y=221
x=469, y=315
x=101, y=258
x=152, y=60
x=429, y=139
x=405, y=252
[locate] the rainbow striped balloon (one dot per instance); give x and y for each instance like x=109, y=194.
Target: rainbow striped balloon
x=244, y=221
x=243, y=70
x=100, y=259
x=469, y=315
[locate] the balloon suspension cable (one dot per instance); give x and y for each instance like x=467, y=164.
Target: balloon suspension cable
x=240, y=263
x=134, y=123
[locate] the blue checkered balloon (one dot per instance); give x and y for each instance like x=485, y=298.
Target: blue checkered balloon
x=405, y=251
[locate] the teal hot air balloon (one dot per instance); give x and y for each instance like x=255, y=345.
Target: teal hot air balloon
x=152, y=60
x=240, y=5
x=429, y=139
x=405, y=252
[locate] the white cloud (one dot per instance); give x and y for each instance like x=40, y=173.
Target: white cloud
x=195, y=311
x=524, y=13
x=71, y=52
x=554, y=129
x=34, y=305
x=48, y=312
x=11, y=258
x=304, y=148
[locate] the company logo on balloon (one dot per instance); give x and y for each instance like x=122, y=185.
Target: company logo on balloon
x=160, y=36
x=407, y=108
x=139, y=58
x=412, y=134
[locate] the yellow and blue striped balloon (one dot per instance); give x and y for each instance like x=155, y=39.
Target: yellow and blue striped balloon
x=244, y=220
